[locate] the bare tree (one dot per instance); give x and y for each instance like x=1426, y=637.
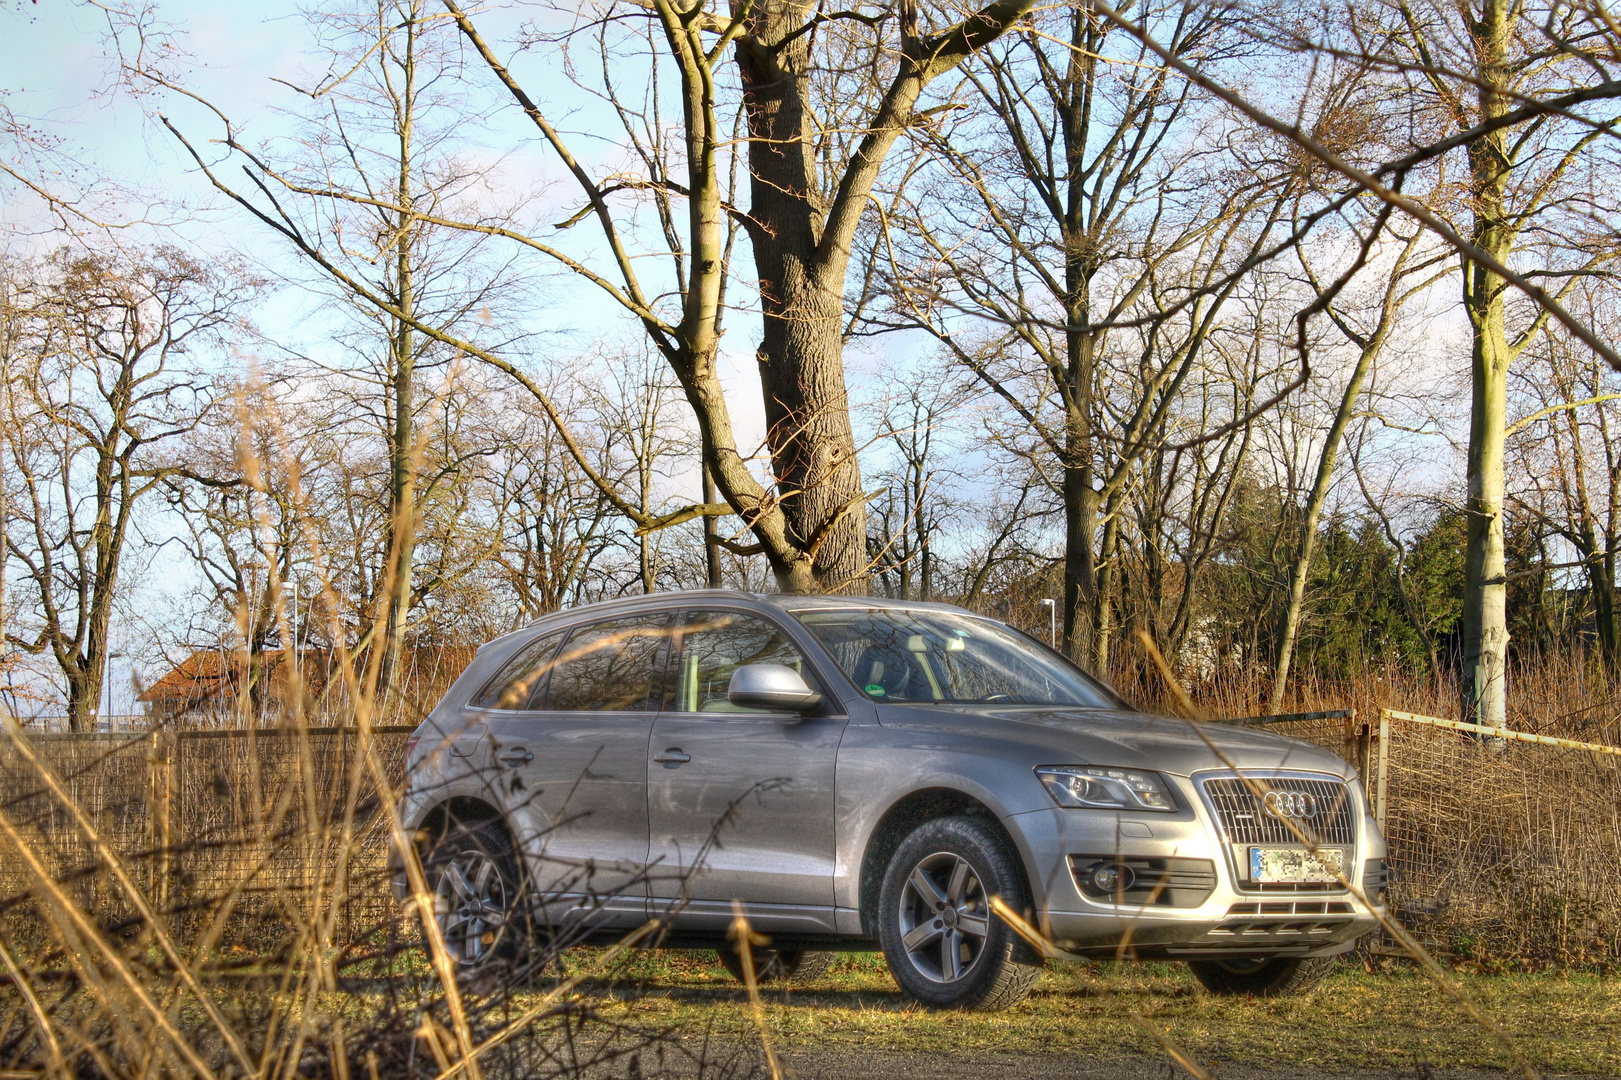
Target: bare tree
x=1369, y=337
x=1569, y=467
x=554, y=522
x=242, y=541
x=109, y=362
x=633, y=410
x=1088, y=215
x=914, y=510
x=1524, y=95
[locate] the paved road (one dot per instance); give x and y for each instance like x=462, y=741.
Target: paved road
x=747, y=1064
x=845, y=1066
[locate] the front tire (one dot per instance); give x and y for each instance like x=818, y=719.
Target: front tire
x=478, y=900
x=1266, y=977
x=945, y=948
x=777, y=965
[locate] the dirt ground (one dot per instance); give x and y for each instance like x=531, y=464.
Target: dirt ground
x=1095, y=1023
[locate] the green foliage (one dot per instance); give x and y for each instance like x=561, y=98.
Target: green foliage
x=1366, y=603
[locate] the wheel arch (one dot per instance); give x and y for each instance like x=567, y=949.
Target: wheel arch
x=465, y=809
x=898, y=822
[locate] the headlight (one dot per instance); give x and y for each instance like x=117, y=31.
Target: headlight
x=1108, y=789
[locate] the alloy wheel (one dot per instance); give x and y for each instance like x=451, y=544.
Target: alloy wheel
x=944, y=917
x=470, y=905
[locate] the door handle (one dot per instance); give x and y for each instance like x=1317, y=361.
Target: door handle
x=516, y=756
x=672, y=757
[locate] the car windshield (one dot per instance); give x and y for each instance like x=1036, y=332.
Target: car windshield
x=901, y=655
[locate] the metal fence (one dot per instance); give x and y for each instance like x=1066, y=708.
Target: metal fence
x=252, y=825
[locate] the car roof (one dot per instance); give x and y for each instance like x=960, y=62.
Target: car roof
x=790, y=602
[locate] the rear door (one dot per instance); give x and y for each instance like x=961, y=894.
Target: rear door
x=572, y=765
x=740, y=803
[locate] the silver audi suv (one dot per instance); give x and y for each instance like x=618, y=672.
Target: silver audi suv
x=852, y=774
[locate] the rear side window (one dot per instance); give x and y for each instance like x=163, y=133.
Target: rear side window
x=515, y=685
x=614, y=666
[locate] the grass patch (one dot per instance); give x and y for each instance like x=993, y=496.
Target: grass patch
x=1393, y=1018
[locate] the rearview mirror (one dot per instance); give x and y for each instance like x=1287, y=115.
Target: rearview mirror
x=772, y=688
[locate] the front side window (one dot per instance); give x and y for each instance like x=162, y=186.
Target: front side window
x=894, y=654
x=716, y=643
x=613, y=666
x=515, y=684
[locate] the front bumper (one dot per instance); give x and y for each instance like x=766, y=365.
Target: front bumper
x=1234, y=919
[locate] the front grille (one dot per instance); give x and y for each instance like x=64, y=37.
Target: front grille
x=1178, y=883
x=1244, y=821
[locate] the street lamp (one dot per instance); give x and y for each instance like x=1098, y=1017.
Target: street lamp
x=107, y=689
x=1052, y=621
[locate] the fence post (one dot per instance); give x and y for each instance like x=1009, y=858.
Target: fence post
x=162, y=813
x=1379, y=802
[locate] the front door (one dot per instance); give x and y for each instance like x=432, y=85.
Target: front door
x=740, y=803
x=572, y=768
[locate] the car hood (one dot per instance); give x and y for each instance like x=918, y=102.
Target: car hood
x=1077, y=736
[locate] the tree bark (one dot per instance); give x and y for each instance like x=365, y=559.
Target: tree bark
x=711, y=535
x=804, y=226
x=1485, y=615
x=801, y=353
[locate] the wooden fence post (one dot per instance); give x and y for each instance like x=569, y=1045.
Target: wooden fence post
x=161, y=804
x=1379, y=803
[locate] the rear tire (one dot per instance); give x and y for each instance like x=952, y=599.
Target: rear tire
x=945, y=948
x=479, y=902
x=1265, y=977
x=777, y=965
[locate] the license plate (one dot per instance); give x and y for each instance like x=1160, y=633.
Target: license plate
x=1296, y=866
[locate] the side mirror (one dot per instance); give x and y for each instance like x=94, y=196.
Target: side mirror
x=771, y=688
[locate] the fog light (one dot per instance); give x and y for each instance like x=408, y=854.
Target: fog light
x=1112, y=878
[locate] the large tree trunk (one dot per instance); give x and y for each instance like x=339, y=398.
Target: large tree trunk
x=1485, y=614
x=401, y=553
x=801, y=353
x=84, y=694
x=711, y=533
x=1083, y=616
x=1080, y=566
x=1601, y=583
x=1485, y=611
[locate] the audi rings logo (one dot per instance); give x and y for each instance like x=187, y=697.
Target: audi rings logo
x=1290, y=804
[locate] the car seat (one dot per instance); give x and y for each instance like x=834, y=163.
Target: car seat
x=889, y=669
